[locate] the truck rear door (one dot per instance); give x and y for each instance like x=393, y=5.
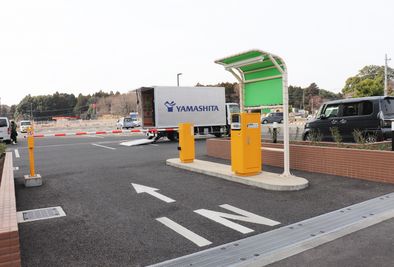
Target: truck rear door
x=147, y=107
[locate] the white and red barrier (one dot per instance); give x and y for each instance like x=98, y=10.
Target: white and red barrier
x=105, y=132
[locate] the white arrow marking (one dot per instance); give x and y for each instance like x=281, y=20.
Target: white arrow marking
x=151, y=191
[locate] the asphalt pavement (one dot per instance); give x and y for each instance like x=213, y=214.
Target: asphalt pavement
x=108, y=223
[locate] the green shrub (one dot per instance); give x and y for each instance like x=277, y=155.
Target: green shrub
x=315, y=136
x=359, y=137
x=336, y=135
x=2, y=148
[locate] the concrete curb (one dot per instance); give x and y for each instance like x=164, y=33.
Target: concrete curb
x=265, y=180
x=9, y=233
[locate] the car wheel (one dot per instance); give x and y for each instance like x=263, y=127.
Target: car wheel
x=281, y=121
x=307, y=137
x=371, y=138
x=265, y=121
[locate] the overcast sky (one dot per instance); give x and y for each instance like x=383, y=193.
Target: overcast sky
x=81, y=46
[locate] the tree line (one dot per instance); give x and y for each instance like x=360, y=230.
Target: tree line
x=369, y=81
x=45, y=107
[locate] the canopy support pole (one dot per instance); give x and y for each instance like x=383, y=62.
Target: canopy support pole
x=286, y=141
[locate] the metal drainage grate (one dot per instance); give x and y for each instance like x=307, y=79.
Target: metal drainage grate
x=269, y=247
x=39, y=214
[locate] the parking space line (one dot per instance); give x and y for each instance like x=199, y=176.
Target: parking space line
x=17, y=153
x=195, y=238
x=107, y=147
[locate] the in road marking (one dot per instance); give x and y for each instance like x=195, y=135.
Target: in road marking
x=195, y=238
x=153, y=144
x=245, y=216
x=16, y=168
x=107, y=147
x=17, y=153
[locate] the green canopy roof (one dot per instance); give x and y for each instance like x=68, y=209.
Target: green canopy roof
x=261, y=76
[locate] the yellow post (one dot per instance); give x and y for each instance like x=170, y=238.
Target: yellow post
x=246, y=144
x=30, y=146
x=186, y=142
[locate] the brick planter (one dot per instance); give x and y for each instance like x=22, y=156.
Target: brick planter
x=9, y=235
x=373, y=165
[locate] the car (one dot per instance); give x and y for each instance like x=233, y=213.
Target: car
x=125, y=123
x=24, y=126
x=135, y=119
x=371, y=116
x=273, y=117
x=5, y=130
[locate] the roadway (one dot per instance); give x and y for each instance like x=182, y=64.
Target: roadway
x=109, y=224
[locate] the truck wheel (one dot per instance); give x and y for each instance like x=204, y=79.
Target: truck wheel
x=172, y=136
x=265, y=122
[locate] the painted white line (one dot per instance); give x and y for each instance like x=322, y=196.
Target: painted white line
x=107, y=147
x=245, y=216
x=17, y=153
x=195, y=238
x=153, y=144
x=151, y=191
x=16, y=168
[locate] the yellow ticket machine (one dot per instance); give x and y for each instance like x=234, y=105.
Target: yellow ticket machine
x=246, y=144
x=186, y=142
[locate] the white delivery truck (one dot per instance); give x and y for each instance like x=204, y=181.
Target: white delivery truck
x=162, y=108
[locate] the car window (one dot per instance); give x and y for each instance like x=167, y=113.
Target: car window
x=331, y=110
x=350, y=109
x=25, y=123
x=366, y=108
x=3, y=123
x=388, y=106
x=127, y=119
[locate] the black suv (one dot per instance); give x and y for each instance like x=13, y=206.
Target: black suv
x=371, y=115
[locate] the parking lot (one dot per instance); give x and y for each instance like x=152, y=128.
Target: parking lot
x=108, y=223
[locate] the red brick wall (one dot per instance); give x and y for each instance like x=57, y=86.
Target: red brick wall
x=9, y=235
x=371, y=165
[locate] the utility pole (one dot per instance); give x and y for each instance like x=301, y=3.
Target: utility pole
x=31, y=111
x=385, y=74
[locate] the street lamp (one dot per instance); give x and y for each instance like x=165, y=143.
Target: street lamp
x=177, y=78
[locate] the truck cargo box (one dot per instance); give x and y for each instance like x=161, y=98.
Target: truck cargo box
x=166, y=107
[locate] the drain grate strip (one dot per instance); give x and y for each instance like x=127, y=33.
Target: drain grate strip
x=286, y=241
x=39, y=214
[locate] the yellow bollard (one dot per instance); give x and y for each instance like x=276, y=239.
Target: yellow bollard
x=30, y=146
x=186, y=142
x=33, y=179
